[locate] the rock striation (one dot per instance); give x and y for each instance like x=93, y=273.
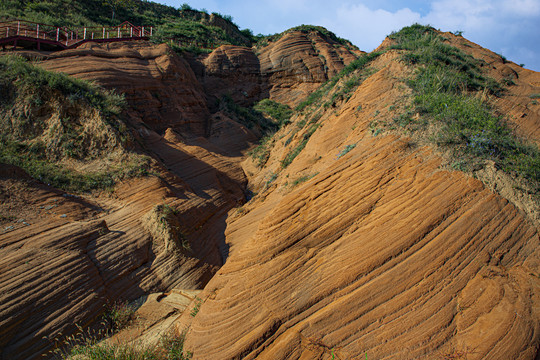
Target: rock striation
x=159, y=86
x=298, y=63
x=362, y=246
x=375, y=250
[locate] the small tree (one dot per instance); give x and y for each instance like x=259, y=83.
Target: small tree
x=116, y=4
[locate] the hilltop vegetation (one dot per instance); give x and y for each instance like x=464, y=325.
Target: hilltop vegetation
x=76, y=13
x=49, y=119
x=185, y=25
x=445, y=88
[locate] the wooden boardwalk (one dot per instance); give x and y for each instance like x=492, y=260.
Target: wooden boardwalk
x=30, y=35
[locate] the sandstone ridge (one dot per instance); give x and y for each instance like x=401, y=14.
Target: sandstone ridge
x=364, y=243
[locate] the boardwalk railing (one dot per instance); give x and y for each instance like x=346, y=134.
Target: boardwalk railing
x=66, y=37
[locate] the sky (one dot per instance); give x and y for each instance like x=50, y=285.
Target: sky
x=508, y=27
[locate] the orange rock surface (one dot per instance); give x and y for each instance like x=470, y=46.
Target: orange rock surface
x=298, y=63
x=375, y=250
x=381, y=253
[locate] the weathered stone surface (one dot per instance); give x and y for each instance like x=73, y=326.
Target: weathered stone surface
x=160, y=87
x=376, y=251
x=381, y=252
x=298, y=63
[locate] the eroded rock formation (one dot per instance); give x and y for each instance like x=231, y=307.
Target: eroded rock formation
x=374, y=250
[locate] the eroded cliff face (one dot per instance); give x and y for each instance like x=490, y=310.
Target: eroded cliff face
x=298, y=63
x=236, y=72
x=72, y=256
x=362, y=244
x=160, y=87
x=286, y=70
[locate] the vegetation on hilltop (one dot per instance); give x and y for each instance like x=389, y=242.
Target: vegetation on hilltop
x=185, y=28
x=77, y=13
x=451, y=96
x=49, y=119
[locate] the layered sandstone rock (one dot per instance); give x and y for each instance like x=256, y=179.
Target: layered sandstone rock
x=299, y=62
x=236, y=72
x=378, y=251
x=375, y=250
x=160, y=86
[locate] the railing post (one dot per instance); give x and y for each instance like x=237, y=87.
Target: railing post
x=7, y=32
x=118, y=32
x=151, y=30
x=18, y=27
x=131, y=31
x=57, y=34
x=103, y=33
x=84, y=38
x=67, y=38
x=143, y=31
x=92, y=35
x=37, y=31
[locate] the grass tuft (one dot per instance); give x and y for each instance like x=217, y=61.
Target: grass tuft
x=169, y=347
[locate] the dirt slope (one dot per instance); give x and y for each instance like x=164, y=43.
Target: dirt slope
x=381, y=252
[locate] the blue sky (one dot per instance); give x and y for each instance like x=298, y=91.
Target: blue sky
x=507, y=27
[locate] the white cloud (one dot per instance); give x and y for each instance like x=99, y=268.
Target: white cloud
x=522, y=8
x=367, y=28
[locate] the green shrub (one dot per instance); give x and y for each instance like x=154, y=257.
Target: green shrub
x=294, y=152
x=196, y=307
x=261, y=153
x=257, y=116
x=170, y=347
x=346, y=150
x=191, y=33
x=303, y=179
x=251, y=118
x=120, y=315
x=281, y=113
